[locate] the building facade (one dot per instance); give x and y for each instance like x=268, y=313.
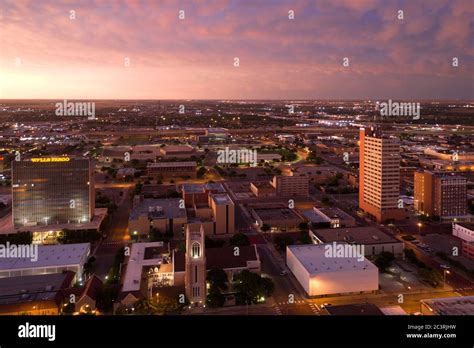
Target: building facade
x=440, y=194
x=195, y=276
x=52, y=190
x=291, y=185
x=379, y=176
x=170, y=170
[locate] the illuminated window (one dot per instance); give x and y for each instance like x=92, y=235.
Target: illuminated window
x=195, y=250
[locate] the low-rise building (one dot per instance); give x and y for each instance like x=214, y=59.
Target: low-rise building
x=278, y=217
x=170, y=170
x=374, y=240
x=321, y=274
x=262, y=189
x=164, y=215
x=465, y=231
x=448, y=306
x=334, y=217
x=50, y=259
x=177, y=151
x=34, y=294
x=296, y=185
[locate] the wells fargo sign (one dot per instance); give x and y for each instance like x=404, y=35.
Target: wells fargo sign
x=50, y=159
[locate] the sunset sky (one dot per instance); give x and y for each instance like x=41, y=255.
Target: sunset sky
x=60, y=58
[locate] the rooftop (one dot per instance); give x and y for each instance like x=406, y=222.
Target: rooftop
x=469, y=226
x=159, y=208
x=360, y=235
x=142, y=254
x=221, y=258
x=267, y=214
x=49, y=256
x=177, y=148
x=313, y=258
x=221, y=198
x=170, y=164
x=33, y=288
x=451, y=305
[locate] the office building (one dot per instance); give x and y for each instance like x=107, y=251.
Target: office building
x=379, y=176
x=171, y=170
x=52, y=190
x=291, y=185
x=223, y=211
x=440, y=194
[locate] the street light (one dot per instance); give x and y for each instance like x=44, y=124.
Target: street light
x=420, y=225
x=445, y=271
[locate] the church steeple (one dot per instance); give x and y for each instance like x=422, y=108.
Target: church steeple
x=195, y=275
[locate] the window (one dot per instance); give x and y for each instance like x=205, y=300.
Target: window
x=195, y=250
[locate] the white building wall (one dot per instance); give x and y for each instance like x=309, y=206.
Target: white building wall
x=300, y=273
x=341, y=282
x=464, y=233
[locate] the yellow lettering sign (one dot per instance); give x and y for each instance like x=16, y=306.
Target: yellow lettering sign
x=50, y=159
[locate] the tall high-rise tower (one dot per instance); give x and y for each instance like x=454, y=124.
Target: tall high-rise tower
x=379, y=176
x=195, y=275
x=52, y=190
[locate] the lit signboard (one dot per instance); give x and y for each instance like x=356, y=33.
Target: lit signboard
x=50, y=159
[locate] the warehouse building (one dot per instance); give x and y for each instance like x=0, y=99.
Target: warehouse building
x=321, y=274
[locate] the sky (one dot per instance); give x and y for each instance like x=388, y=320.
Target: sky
x=111, y=49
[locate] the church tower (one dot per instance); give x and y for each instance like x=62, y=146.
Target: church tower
x=195, y=275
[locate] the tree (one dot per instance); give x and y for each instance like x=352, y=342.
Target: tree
x=217, y=277
x=282, y=242
x=303, y=226
x=384, y=260
x=159, y=305
x=68, y=308
x=251, y=287
x=215, y=298
x=239, y=239
x=106, y=297
x=304, y=237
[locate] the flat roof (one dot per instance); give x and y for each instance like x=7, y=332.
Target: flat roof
x=140, y=257
x=469, y=226
x=170, y=164
x=221, y=258
x=334, y=213
x=168, y=208
x=221, y=198
x=33, y=288
x=312, y=216
x=49, y=256
x=276, y=214
x=177, y=148
x=360, y=235
x=451, y=305
x=314, y=260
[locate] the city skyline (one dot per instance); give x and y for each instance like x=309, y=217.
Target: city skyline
x=279, y=58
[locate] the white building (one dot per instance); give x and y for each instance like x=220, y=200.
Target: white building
x=50, y=259
x=320, y=274
x=464, y=231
